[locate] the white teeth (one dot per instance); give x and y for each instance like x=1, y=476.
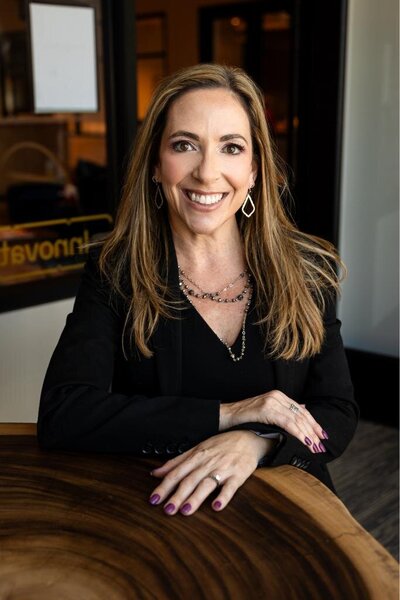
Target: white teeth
x=205, y=198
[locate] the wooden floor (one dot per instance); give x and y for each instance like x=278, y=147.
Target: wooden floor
x=366, y=478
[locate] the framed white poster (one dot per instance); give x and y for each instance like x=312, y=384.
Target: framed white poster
x=63, y=51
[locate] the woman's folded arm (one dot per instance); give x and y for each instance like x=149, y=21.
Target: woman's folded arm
x=79, y=411
x=82, y=417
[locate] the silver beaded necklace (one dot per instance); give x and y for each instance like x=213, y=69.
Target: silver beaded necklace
x=215, y=296
x=243, y=347
x=211, y=296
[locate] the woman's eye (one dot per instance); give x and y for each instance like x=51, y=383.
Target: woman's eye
x=233, y=149
x=182, y=146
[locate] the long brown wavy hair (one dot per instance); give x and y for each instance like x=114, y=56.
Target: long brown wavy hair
x=294, y=272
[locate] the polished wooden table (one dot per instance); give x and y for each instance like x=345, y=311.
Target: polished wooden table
x=79, y=527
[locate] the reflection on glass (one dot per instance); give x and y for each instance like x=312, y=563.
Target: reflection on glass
x=53, y=169
x=149, y=35
x=278, y=21
x=270, y=42
x=275, y=74
x=150, y=59
x=149, y=73
x=229, y=41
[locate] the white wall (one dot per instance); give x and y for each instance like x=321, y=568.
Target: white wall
x=369, y=198
x=27, y=340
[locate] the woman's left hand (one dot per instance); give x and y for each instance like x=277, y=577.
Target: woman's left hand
x=232, y=455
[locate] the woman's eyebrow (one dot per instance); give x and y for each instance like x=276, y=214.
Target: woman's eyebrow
x=193, y=136
x=232, y=136
x=182, y=133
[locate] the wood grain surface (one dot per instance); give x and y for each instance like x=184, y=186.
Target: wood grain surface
x=79, y=527
x=17, y=428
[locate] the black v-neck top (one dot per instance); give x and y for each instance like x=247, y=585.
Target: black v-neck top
x=208, y=370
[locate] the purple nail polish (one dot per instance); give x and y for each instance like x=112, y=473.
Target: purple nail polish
x=322, y=447
x=154, y=499
x=169, y=508
x=315, y=448
x=217, y=504
x=308, y=441
x=326, y=436
x=186, y=507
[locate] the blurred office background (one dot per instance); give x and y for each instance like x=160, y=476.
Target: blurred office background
x=329, y=73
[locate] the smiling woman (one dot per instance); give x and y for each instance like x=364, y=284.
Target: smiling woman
x=205, y=175
x=204, y=330
x=206, y=168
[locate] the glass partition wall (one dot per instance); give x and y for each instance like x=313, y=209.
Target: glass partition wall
x=60, y=172
x=294, y=50
x=54, y=171
x=232, y=45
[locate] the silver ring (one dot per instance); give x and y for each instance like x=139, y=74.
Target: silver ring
x=217, y=478
x=294, y=408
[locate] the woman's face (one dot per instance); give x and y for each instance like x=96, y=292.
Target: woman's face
x=206, y=164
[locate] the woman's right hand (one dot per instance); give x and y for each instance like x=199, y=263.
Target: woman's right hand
x=273, y=408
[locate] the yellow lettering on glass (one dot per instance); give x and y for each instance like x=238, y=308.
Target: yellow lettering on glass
x=20, y=254
x=17, y=255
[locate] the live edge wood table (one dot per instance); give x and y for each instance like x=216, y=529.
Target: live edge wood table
x=79, y=527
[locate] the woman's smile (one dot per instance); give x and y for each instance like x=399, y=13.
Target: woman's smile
x=205, y=199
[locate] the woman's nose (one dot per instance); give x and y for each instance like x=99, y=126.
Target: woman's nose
x=207, y=168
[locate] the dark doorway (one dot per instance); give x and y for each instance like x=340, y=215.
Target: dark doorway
x=294, y=50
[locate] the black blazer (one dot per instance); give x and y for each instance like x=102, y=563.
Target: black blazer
x=93, y=399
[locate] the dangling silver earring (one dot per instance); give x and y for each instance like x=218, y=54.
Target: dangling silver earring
x=249, y=200
x=159, y=200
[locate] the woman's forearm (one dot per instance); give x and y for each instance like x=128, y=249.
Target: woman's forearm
x=225, y=416
x=248, y=410
x=233, y=413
